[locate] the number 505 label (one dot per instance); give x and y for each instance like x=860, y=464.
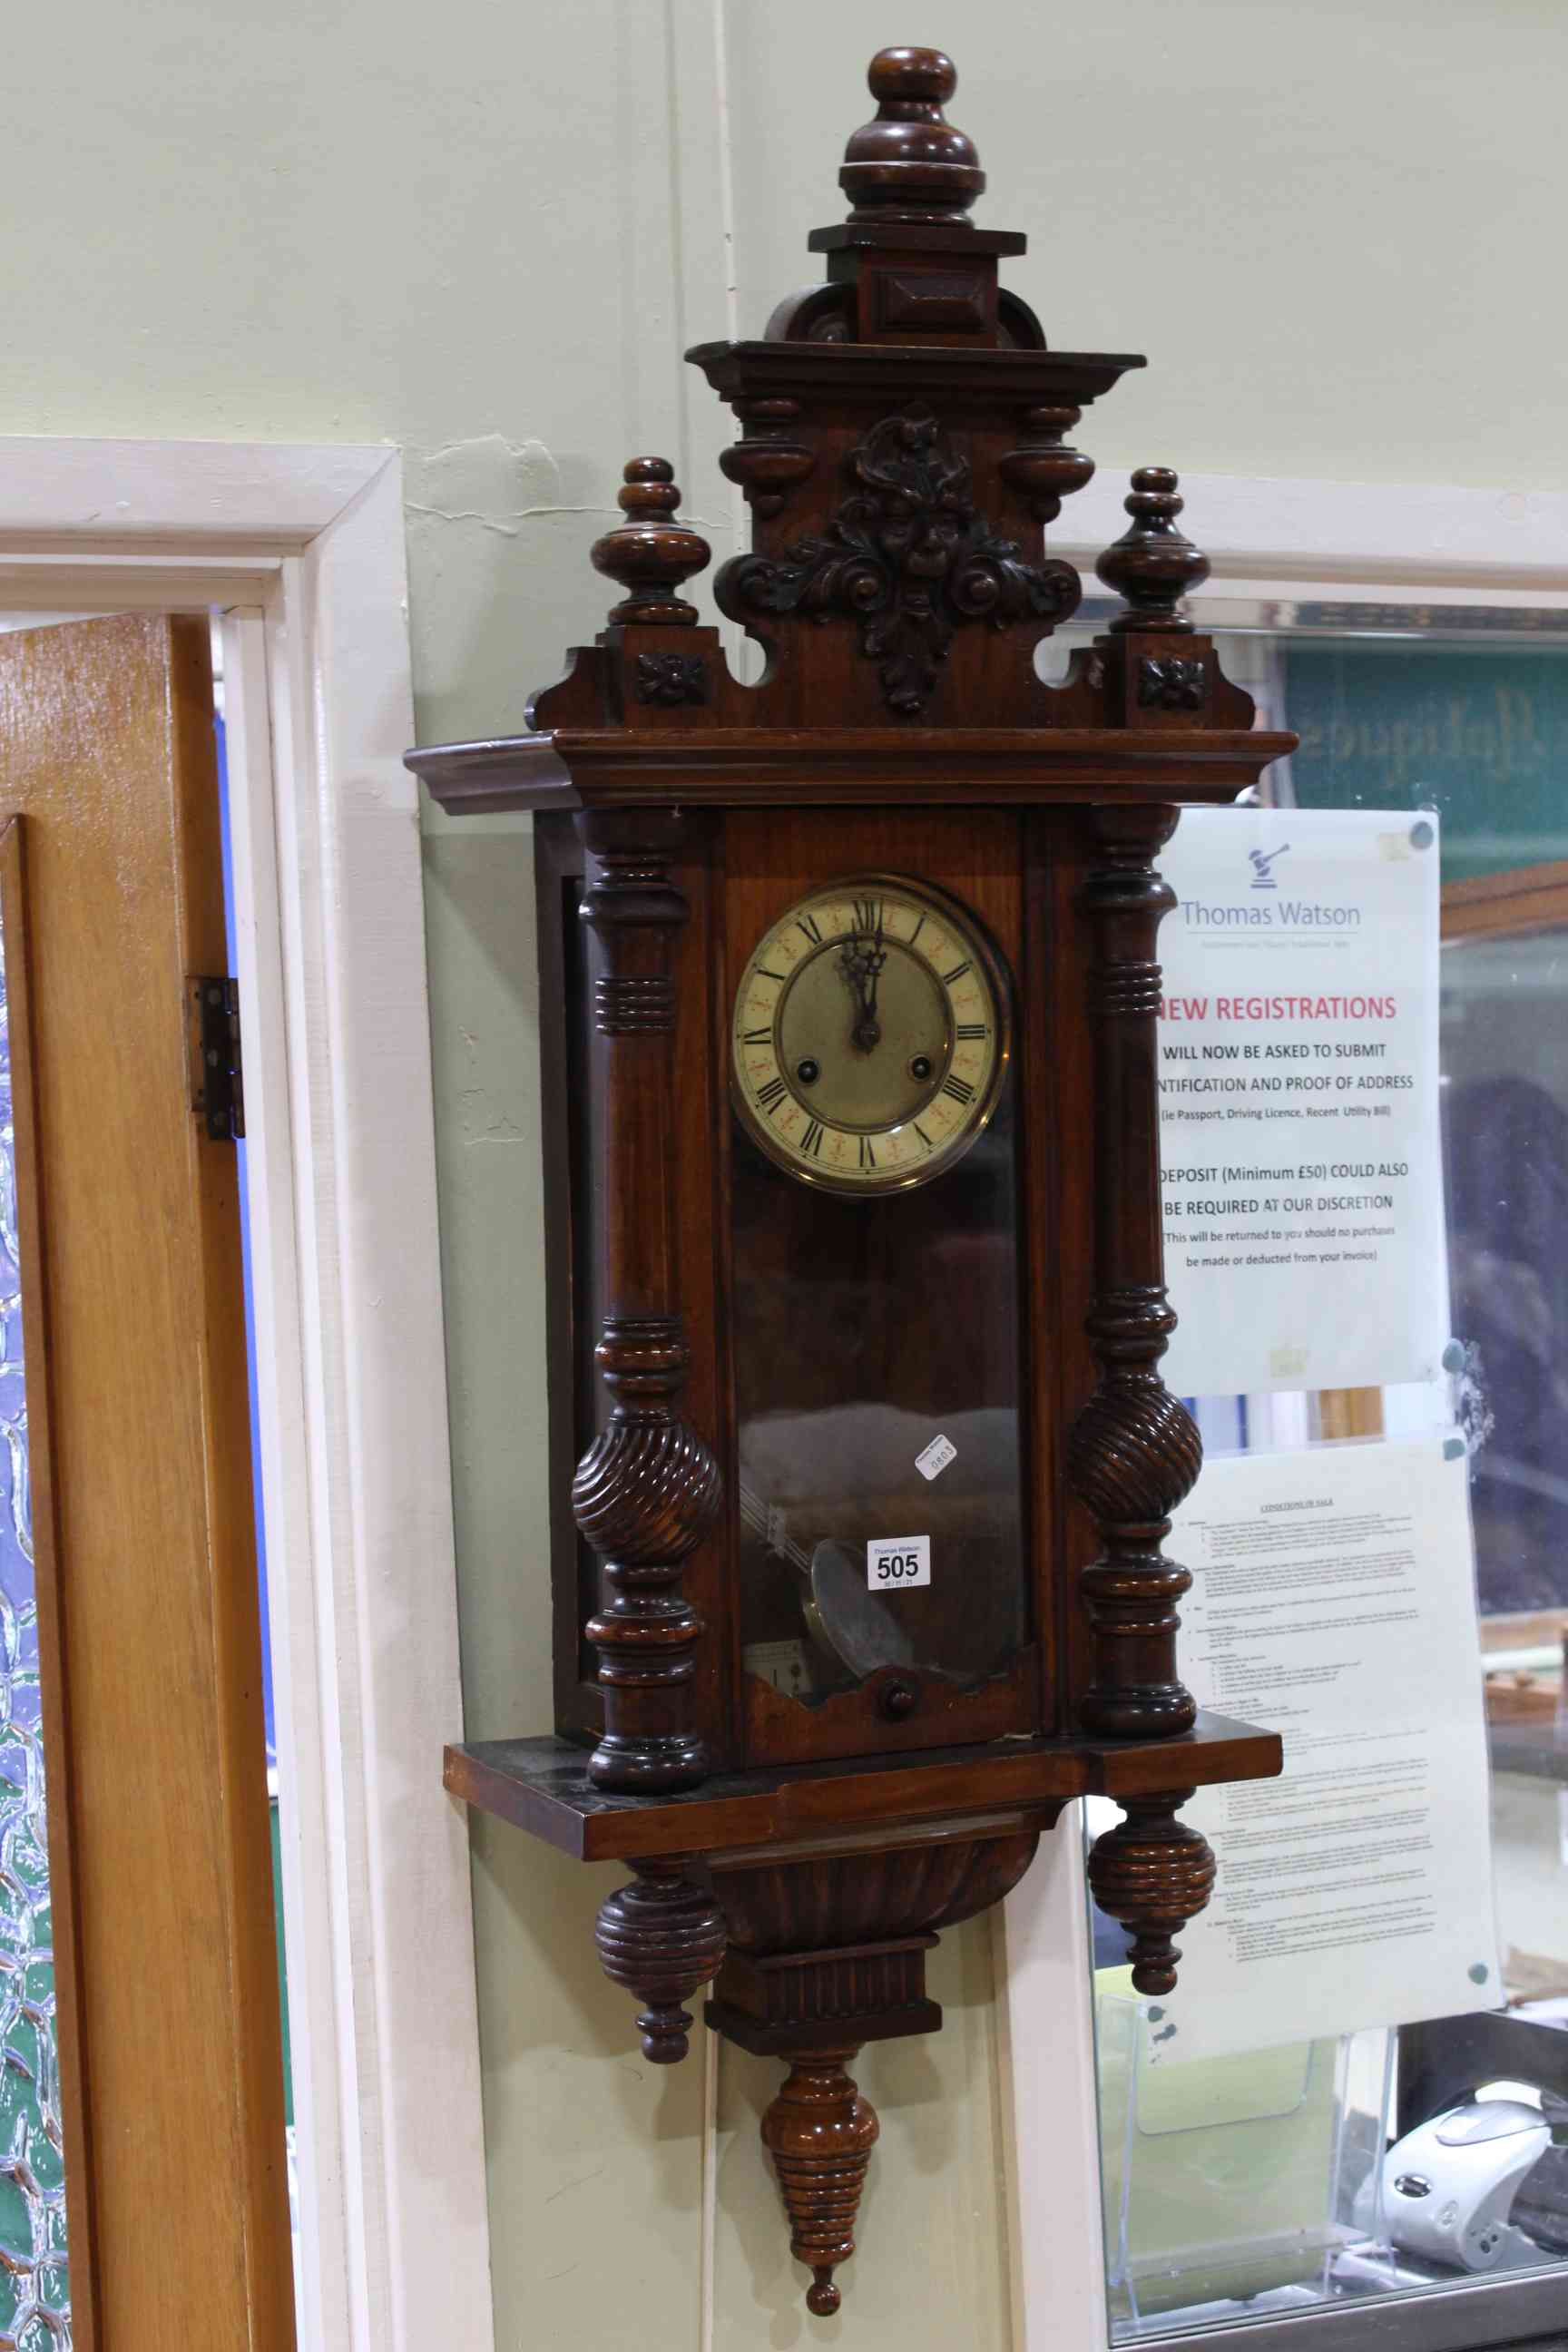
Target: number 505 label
x=897, y=1563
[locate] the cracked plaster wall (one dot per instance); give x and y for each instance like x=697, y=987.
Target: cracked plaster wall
x=485, y=234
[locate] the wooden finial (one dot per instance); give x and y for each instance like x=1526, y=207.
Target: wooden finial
x=1152, y=565
x=911, y=164
x=662, y=1938
x=1154, y=1874
x=650, y=554
x=820, y=2133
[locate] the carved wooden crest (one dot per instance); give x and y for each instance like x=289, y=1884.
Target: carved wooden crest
x=909, y=556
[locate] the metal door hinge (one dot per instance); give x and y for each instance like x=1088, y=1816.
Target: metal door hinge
x=217, y=1086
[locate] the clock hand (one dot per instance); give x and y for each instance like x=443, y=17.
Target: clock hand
x=861, y=960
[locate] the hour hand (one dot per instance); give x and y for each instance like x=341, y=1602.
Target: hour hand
x=862, y=960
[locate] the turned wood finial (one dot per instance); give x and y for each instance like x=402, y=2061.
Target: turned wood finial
x=650, y=554
x=662, y=1939
x=1154, y=1874
x=820, y=2133
x=1153, y=565
x=909, y=163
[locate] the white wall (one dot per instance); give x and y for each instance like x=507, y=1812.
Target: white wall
x=485, y=232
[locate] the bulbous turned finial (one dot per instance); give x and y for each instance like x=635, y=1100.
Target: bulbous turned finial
x=820, y=2133
x=1152, y=565
x=1154, y=1874
x=663, y=1940
x=911, y=164
x=650, y=554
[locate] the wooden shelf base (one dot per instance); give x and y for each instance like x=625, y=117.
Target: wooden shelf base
x=541, y=1785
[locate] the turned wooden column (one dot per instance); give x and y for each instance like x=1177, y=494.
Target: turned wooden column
x=647, y=1489
x=1134, y=1452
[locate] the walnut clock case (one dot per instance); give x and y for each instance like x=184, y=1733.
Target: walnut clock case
x=863, y=1461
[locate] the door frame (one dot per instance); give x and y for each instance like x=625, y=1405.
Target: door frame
x=1292, y=542
x=301, y=549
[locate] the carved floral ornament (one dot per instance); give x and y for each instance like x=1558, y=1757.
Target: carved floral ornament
x=1166, y=682
x=671, y=678
x=909, y=556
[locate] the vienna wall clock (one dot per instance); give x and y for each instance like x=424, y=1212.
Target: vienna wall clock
x=863, y=1462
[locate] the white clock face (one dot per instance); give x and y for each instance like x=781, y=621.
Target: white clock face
x=869, y=1035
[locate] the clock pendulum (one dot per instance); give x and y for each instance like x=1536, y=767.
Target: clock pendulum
x=862, y=1462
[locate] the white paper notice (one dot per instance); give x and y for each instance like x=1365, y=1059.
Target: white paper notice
x=1333, y=1600
x=1299, y=1100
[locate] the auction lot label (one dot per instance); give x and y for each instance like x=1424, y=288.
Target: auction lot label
x=1299, y=1100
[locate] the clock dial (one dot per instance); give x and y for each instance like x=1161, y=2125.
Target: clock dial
x=869, y=1035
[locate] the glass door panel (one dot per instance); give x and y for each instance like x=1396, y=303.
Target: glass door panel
x=1243, y=2191
x=35, y=2289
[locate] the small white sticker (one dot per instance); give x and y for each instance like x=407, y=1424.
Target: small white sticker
x=936, y=1457
x=898, y=1563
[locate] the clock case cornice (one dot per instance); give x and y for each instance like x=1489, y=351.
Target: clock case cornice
x=573, y=768
x=904, y=446
x=878, y=374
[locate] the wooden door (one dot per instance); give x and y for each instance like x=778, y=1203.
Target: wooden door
x=149, y=1649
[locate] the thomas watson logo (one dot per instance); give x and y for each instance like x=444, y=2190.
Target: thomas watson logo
x=1262, y=863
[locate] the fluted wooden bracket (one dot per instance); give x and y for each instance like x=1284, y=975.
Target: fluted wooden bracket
x=820, y=2133
x=647, y=1489
x=828, y=1952
x=662, y=1938
x=1154, y=1874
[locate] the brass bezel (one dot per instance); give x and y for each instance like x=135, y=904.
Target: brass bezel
x=954, y=910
